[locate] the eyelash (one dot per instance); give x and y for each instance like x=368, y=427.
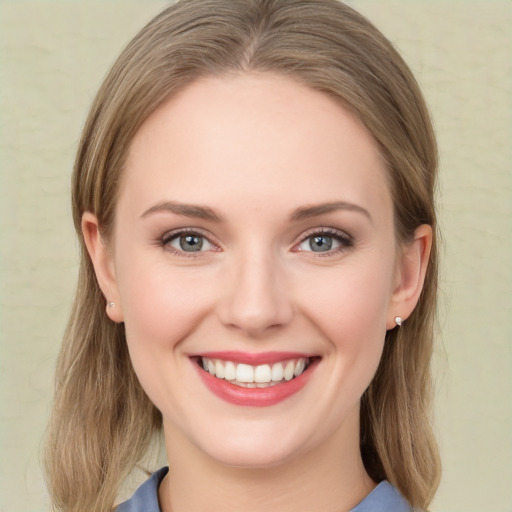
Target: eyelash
x=166, y=240
x=344, y=240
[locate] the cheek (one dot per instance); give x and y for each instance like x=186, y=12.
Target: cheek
x=160, y=307
x=353, y=299
x=160, y=311
x=351, y=311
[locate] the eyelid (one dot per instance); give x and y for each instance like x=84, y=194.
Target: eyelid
x=345, y=240
x=171, y=235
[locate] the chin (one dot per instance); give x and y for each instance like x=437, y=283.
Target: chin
x=265, y=448
x=252, y=457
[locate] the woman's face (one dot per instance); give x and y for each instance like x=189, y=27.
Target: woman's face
x=254, y=238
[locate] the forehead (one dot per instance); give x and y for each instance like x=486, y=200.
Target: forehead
x=259, y=136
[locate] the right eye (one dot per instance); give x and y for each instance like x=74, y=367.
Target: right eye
x=320, y=243
x=187, y=242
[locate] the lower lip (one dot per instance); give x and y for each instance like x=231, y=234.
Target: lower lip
x=255, y=397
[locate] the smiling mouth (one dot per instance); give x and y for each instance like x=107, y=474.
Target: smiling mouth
x=255, y=376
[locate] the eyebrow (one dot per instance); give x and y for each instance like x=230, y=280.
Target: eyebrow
x=306, y=212
x=206, y=213
x=188, y=210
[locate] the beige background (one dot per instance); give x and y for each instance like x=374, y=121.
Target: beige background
x=53, y=56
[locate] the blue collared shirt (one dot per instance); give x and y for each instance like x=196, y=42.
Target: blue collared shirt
x=384, y=498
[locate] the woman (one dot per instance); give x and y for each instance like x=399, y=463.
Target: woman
x=253, y=193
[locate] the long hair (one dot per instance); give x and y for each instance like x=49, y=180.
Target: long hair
x=102, y=421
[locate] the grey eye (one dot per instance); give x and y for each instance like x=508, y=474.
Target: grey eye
x=191, y=242
x=319, y=243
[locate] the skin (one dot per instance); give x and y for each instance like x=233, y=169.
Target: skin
x=253, y=149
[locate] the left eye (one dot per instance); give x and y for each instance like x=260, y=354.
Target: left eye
x=324, y=242
x=190, y=242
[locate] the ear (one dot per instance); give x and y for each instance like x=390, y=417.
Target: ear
x=102, y=261
x=410, y=275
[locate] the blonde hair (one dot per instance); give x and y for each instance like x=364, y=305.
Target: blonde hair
x=102, y=421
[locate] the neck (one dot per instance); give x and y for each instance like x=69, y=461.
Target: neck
x=330, y=478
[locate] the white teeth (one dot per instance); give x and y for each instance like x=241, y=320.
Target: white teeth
x=262, y=373
x=254, y=384
x=229, y=371
x=244, y=373
x=277, y=372
x=220, y=371
x=299, y=367
x=260, y=376
x=289, y=370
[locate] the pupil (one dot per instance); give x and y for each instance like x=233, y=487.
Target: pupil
x=191, y=243
x=320, y=243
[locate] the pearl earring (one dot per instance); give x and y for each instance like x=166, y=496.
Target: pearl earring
x=398, y=320
x=111, y=304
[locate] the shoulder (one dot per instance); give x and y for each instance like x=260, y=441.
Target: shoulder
x=384, y=498
x=145, y=498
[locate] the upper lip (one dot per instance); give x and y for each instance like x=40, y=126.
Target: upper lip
x=252, y=358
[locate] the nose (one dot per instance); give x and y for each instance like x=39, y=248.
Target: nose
x=256, y=299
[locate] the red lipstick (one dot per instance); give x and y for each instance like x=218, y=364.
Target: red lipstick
x=249, y=396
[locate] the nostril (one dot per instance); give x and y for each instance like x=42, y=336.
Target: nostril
x=254, y=299
x=255, y=315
